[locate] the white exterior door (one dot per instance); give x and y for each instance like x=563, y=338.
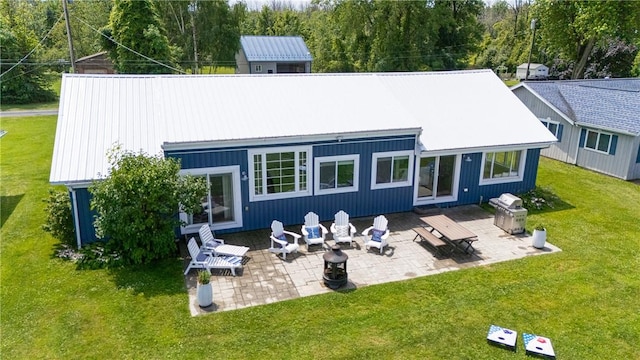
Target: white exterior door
x=436, y=179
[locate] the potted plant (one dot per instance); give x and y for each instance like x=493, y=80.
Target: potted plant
x=204, y=292
x=539, y=236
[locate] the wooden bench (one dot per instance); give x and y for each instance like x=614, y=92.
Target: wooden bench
x=429, y=237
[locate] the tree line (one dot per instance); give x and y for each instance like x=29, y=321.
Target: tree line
x=576, y=39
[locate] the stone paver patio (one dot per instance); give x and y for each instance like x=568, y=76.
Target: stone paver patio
x=266, y=278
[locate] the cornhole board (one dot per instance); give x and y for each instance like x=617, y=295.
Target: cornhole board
x=538, y=345
x=502, y=337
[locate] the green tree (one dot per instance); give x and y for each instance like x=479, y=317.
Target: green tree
x=23, y=78
x=135, y=25
x=137, y=205
x=574, y=29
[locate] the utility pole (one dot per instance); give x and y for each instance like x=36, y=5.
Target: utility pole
x=533, y=39
x=193, y=7
x=69, y=38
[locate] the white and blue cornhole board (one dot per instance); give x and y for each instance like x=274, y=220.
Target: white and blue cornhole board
x=501, y=336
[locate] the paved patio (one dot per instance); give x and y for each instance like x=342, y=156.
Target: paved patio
x=266, y=278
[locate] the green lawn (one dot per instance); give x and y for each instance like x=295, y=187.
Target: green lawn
x=584, y=298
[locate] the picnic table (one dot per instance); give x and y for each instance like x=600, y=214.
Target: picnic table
x=456, y=234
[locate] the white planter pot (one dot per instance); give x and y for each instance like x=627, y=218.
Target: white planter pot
x=204, y=293
x=539, y=238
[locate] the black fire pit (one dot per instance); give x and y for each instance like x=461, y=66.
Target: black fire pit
x=335, y=268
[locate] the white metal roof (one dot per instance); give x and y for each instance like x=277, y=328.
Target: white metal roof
x=455, y=110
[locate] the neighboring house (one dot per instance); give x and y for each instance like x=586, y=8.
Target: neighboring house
x=536, y=72
x=596, y=122
x=369, y=143
x=273, y=55
x=97, y=63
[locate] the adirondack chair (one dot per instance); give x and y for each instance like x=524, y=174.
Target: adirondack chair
x=376, y=235
x=313, y=232
x=279, y=242
x=202, y=260
x=342, y=229
x=217, y=247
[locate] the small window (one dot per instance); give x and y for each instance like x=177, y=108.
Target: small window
x=258, y=68
x=552, y=126
x=336, y=174
x=598, y=141
x=392, y=169
x=501, y=166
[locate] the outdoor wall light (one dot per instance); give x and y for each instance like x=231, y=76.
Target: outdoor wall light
x=467, y=158
x=244, y=176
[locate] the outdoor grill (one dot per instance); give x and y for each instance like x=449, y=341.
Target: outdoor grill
x=510, y=215
x=335, y=268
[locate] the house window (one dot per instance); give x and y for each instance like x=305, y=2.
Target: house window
x=391, y=169
x=598, y=141
x=552, y=126
x=336, y=174
x=504, y=166
x=278, y=173
x=258, y=68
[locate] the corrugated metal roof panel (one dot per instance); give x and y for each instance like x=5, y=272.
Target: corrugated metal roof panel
x=275, y=48
x=455, y=110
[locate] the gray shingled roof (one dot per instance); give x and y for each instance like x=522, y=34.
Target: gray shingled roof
x=605, y=103
x=275, y=48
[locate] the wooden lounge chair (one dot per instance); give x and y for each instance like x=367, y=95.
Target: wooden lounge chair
x=202, y=260
x=217, y=247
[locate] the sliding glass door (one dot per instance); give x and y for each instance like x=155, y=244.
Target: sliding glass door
x=221, y=207
x=437, y=178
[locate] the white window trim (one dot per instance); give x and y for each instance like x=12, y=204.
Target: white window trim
x=436, y=199
x=356, y=170
x=374, y=169
x=548, y=121
x=598, y=141
x=264, y=151
x=237, y=197
x=506, y=179
x=257, y=68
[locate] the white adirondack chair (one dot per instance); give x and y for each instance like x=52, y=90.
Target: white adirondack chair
x=342, y=229
x=279, y=242
x=313, y=232
x=376, y=235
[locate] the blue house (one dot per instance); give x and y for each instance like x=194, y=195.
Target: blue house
x=596, y=122
x=276, y=147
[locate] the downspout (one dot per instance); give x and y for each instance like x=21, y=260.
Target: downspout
x=76, y=221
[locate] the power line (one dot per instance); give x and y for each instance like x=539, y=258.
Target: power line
x=34, y=49
x=126, y=47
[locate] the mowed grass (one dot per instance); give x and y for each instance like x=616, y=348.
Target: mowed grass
x=584, y=298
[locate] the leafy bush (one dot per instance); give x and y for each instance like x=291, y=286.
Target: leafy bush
x=137, y=205
x=59, y=220
x=204, y=277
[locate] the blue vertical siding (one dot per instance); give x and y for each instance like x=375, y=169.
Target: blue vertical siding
x=260, y=214
x=365, y=202
x=85, y=216
x=470, y=178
